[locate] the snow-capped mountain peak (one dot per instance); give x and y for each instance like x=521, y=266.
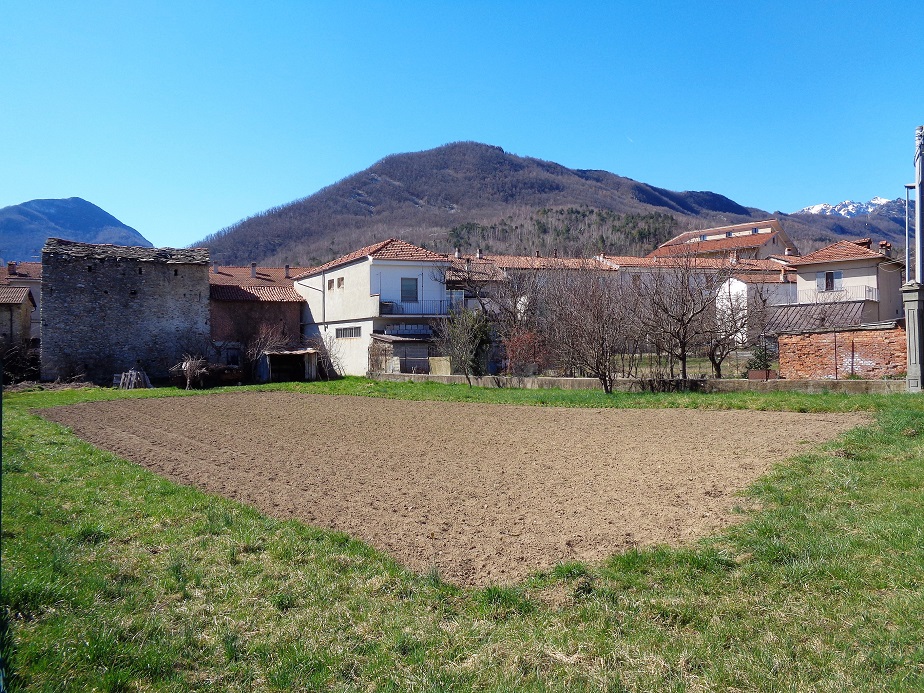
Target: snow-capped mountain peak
x=849, y=208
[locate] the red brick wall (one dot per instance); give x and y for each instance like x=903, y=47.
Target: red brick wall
x=870, y=354
x=238, y=321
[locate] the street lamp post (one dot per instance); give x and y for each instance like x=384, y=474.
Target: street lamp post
x=908, y=188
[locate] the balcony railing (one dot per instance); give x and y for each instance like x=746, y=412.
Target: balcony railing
x=848, y=293
x=428, y=307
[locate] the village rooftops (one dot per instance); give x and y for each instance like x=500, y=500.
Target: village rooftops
x=97, y=251
x=517, y=262
x=844, y=251
x=722, y=239
x=666, y=262
x=253, y=276
x=21, y=270
x=253, y=284
x=392, y=249
x=15, y=295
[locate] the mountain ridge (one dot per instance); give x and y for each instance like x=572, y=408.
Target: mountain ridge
x=471, y=194
x=25, y=227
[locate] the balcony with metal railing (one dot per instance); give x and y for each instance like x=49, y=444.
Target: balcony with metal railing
x=790, y=296
x=426, y=307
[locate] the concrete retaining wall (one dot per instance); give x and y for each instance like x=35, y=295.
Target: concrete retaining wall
x=631, y=385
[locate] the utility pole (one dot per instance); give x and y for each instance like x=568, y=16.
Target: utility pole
x=918, y=185
x=912, y=291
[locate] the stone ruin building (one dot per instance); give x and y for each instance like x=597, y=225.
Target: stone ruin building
x=107, y=309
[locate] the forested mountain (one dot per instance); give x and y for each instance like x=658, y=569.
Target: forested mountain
x=474, y=195
x=24, y=228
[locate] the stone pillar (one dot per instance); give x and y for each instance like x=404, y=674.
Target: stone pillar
x=913, y=298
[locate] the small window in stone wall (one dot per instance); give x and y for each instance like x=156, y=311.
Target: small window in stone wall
x=89, y=268
x=176, y=273
x=139, y=271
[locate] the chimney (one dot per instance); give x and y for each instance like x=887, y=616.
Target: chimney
x=885, y=248
x=537, y=253
x=253, y=269
x=458, y=253
x=478, y=253
x=287, y=272
x=555, y=253
x=214, y=267
x=11, y=268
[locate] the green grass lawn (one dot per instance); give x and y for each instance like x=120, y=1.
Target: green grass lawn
x=117, y=580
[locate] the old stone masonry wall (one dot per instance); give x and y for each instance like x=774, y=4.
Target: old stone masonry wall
x=864, y=353
x=106, y=309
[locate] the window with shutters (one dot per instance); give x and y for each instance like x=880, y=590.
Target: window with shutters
x=408, y=289
x=829, y=281
x=349, y=332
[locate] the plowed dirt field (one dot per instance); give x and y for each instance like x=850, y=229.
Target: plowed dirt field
x=483, y=493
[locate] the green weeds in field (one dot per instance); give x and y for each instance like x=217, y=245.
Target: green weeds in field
x=117, y=580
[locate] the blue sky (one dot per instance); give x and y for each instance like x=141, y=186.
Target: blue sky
x=181, y=118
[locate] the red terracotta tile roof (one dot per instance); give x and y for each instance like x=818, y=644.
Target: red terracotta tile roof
x=392, y=249
x=16, y=295
x=240, y=276
x=772, y=224
x=506, y=262
x=839, y=252
x=743, y=265
x=277, y=294
x=473, y=269
x=765, y=277
x=22, y=270
x=712, y=246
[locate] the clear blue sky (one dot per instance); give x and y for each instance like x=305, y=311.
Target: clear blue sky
x=181, y=118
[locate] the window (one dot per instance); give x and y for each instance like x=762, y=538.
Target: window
x=408, y=289
x=339, y=282
x=349, y=332
x=728, y=234
x=330, y=284
x=703, y=237
x=456, y=298
x=829, y=281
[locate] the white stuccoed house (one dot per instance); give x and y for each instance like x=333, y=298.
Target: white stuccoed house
x=388, y=292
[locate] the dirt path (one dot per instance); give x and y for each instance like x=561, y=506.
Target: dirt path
x=485, y=493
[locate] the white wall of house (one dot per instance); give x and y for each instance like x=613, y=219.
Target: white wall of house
x=341, y=294
x=853, y=278
x=385, y=280
x=890, y=295
x=346, y=300
x=349, y=350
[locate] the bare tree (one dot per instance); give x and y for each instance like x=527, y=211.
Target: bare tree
x=676, y=299
x=193, y=368
x=588, y=325
x=464, y=337
x=735, y=321
x=509, y=300
x=266, y=338
x=330, y=357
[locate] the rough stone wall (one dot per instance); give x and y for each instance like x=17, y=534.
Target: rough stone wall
x=863, y=353
x=103, y=315
x=15, y=323
x=237, y=321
